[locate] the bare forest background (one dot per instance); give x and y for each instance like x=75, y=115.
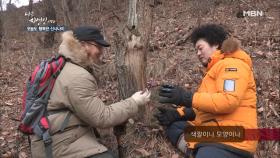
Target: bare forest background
x=158, y=47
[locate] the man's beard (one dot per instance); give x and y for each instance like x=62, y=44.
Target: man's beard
x=98, y=61
x=95, y=59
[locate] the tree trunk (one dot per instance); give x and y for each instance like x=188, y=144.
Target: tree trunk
x=1, y=6
x=131, y=44
x=30, y=6
x=1, y=36
x=67, y=7
x=130, y=47
x=51, y=15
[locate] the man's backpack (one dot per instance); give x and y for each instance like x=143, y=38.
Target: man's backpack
x=35, y=100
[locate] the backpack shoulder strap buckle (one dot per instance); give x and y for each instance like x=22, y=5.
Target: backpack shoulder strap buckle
x=48, y=144
x=47, y=138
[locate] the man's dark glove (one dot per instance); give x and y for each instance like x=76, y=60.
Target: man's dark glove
x=175, y=95
x=166, y=116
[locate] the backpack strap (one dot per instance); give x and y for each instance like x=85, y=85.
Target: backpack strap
x=66, y=119
x=65, y=122
x=48, y=144
x=49, y=83
x=47, y=137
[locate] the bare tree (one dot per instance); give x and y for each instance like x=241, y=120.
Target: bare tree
x=130, y=46
x=10, y=6
x=50, y=14
x=1, y=7
x=1, y=36
x=30, y=6
x=67, y=7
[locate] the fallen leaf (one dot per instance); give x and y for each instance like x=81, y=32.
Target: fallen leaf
x=8, y=103
x=143, y=152
x=269, y=54
x=155, y=130
x=5, y=133
x=260, y=109
x=10, y=140
x=22, y=155
x=131, y=121
x=274, y=94
x=260, y=53
x=175, y=156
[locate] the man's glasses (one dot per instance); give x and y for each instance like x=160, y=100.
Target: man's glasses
x=96, y=45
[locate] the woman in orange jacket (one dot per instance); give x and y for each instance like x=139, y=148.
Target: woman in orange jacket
x=225, y=97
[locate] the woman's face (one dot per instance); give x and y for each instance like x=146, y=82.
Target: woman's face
x=204, y=51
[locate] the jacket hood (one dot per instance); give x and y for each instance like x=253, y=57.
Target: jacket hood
x=242, y=55
x=230, y=49
x=72, y=48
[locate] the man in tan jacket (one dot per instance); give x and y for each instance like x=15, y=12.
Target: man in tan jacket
x=74, y=99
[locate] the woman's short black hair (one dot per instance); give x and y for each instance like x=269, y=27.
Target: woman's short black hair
x=212, y=33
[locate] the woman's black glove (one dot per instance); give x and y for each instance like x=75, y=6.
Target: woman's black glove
x=175, y=95
x=166, y=116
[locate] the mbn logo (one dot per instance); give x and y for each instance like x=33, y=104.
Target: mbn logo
x=253, y=13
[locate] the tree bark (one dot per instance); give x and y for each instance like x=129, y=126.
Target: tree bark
x=131, y=43
x=51, y=15
x=1, y=5
x=67, y=7
x=1, y=36
x=30, y=6
x=130, y=47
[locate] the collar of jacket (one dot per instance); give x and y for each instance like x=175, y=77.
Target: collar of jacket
x=238, y=54
x=71, y=48
x=96, y=71
x=93, y=69
x=216, y=56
